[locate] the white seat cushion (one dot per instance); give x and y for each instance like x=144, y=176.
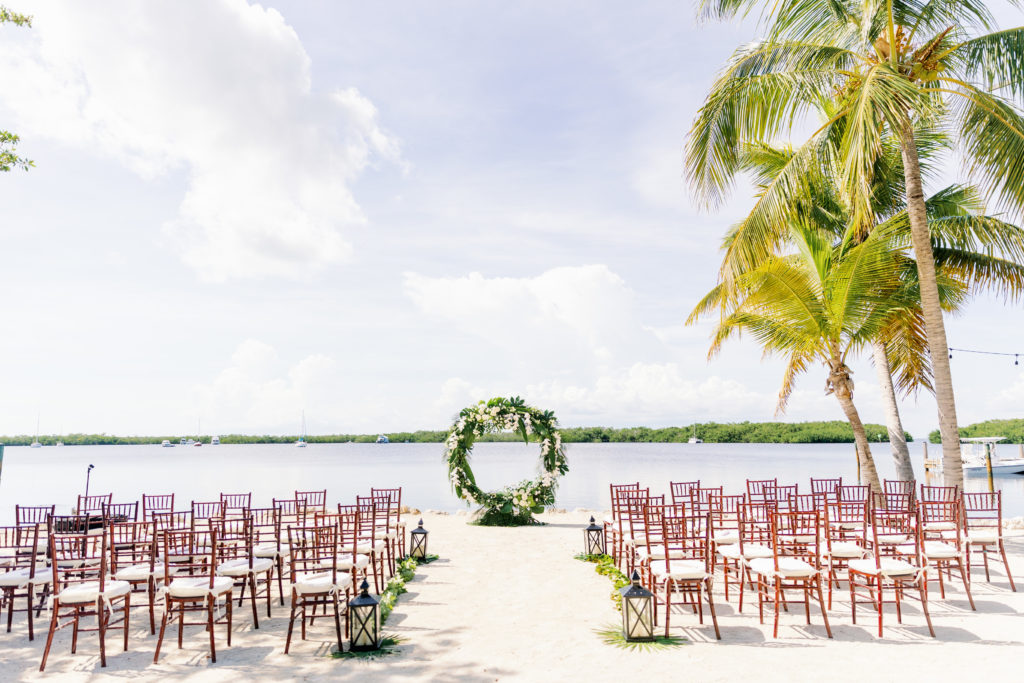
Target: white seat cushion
x=845, y=549
x=269, y=549
x=789, y=567
x=726, y=537
x=240, y=567
x=199, y=586
x=890, y=567
x=90, y=592
x=19, y=578
x=981, y=536
x=887, y=536
x=401, y=524
x=938, y=550
x=657, y=552
x=321, y=583
x=386, y=535
x=940, y=526
x=750, y=551
x=140, y=572
x=377, y=547
x=345, y=563
x=680, y=570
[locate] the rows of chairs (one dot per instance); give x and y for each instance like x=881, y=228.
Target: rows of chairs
x=790, y=546
x=110, y=557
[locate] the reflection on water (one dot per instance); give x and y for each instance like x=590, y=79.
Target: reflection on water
x=46, y=475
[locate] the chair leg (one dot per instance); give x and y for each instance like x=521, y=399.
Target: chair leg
x=280, y=579
x=127, y=613
x=337, y=623
x=879, y=604
x=668, y=603
x=210, y=602
x=1006, y=563
x=151, y=590
x=49, y=637
x=824, y=612
x=967, y=584
x=251, y=580
x=291, y=625
x=102, y=617
x=227, y=603
x=28, y=611
x=163, y=627
x=923, y=592
x=711, y=608
x=775, y=631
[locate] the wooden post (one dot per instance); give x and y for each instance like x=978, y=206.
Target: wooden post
x=988, y=467
x=856, y=453
x=1020, y=450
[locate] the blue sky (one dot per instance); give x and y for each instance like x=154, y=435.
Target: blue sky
x=379, y=213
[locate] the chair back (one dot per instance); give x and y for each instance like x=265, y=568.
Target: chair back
x=847, y=522
x=88, y=505
x=681, y=491
x=28, y=515
x=77, y=559
x=121, y=512
x=780, y=494
x=131, y=543
x=235, y=503
x=755, y=489
x=797, y=534
x=19, y=549
x=827, y=487
x=234, y=538
x=266, y=526
x=189, y=553
x=686, y=537
x=894, y=501
x=314, y=500
x=941, y=520
x=162, y=502
x=204, y=511
x=855, y=494
x=290, y=512
x=898, y=486
x=983, y=514
x=807, y=502
x=894, y=533
x=172, y=521
x=700, y=498
x=939, y=493
x=756, y=523
x=70, y=525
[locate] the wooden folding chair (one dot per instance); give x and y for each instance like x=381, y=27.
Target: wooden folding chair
x=163, y=502
x=983, y=522
x=239, y=563
x=315, y=578
x=133, y=559
x=685, y=569
x=22, y=571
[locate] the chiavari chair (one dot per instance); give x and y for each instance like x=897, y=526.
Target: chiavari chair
x=192, y=585
x=723, y=523
x=898, y=486
x=395, y=495
x=755, y=538
x=290, y=512
x=942, y=542
x=755, y=489
x=133, y=559
x=983, y=523
x=204, y=511
x=807, y=502
x=93, y=505
x=382, y=530
x=685, y=569
x=180, y=520
x=22, y=571
x=780, y=494
x=267, y=541
x=846, y=526
x=827, y=487
x=892, y=533
x=83, y=588
x=235, y=504
x=631, y=519
x=367, y=542
x=238, y=562
x=156, y=503
x=795, y=565
x=315, y=578
x=700, y=498
x=680, y=491
x=648, y=544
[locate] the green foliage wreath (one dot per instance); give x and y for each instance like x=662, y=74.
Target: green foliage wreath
x=512, y=505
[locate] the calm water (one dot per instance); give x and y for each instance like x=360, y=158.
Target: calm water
x=56, y=475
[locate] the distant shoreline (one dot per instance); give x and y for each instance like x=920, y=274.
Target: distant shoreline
x=710, y=432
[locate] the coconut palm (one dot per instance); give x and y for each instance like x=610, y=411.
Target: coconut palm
x=881, y=67
x=975, y=250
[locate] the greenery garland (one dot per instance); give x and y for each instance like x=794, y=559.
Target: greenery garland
x=513, y=504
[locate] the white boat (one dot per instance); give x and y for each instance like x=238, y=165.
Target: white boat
x=694, y=438
x=301, y=443
x=973, y=453
x=383, y=439
x=166, y=444
x=59, y=443
x=35, y=443
x=215, y=441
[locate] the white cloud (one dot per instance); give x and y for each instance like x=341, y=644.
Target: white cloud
x=221, y=90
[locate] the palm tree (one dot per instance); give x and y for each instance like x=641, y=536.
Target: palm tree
x=880, y=67
x=973, y=250
x=822, y=303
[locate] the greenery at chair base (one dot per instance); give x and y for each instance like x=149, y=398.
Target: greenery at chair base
x=404, y=572
x=513, y=505
x=605, y=566
x=612, y=635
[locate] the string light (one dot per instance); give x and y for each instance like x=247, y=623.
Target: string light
x=1016, y=356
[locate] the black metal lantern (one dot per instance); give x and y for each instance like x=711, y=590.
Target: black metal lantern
x=418, y=538
x=365, y=624
x=593, y=539
x=637, y=612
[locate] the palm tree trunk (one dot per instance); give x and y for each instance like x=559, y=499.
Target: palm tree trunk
x=840, y=384
x=952, y=468
x=897, y=437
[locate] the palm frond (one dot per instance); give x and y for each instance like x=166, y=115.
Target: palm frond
x=994, y=59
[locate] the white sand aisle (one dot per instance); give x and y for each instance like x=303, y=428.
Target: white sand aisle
x=513, y=604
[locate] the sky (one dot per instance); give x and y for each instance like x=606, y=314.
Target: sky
x=375, y=214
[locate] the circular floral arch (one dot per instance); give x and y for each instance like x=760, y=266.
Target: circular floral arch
x=512, y=504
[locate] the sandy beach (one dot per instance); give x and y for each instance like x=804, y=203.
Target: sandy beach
x=513, y=604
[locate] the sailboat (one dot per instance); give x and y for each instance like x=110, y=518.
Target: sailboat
x=301, y=443
x=35, y=443
x=695, y=438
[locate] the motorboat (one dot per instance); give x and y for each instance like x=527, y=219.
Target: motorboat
x=215, y=441
x=166, y=444
x=976, y=453
x=694, y=438
x=383, y=439
x=301, y=443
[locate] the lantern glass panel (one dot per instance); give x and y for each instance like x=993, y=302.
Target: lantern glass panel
x=365, y=627
x=637, y=618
